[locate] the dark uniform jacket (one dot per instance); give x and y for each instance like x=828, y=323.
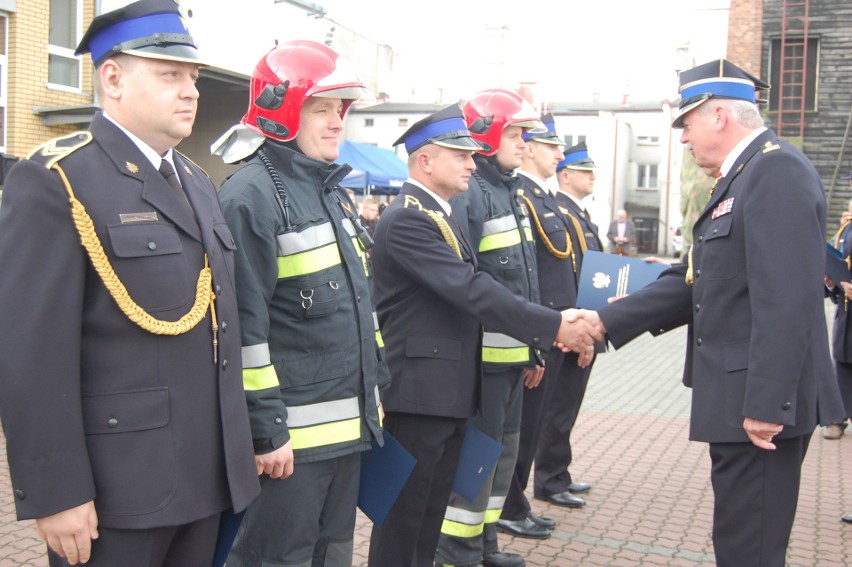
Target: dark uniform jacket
x=93, y=406
x=557, y=276
x=312, y=355
x=430, y=304
x=842, y=334
x=590, y=230
x=758, y=346
x=497, y=225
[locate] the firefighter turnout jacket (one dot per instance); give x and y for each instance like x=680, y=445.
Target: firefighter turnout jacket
x=313, y=360
x=498, y=226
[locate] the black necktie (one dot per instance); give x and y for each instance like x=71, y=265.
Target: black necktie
x=588, y=215
x=168, y=172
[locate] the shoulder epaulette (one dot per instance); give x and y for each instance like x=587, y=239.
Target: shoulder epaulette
x=51, y=152
x=769, y=146
x=193, y=163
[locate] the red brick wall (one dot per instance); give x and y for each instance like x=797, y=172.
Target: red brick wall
x=745, y=24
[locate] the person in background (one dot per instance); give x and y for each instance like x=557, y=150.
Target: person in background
x=313, y=360
x=622, y=235
x=553, y=482
x=126, y=427
x=370, y=214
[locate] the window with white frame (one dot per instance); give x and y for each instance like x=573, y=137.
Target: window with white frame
x=64, y=68
x=368, y=122
x=646, y=176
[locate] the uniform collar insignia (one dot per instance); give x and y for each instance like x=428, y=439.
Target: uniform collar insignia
x=187, y=170
x=769, y=146
x=131, y=167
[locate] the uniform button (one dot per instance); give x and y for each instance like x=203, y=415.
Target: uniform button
x=701, y=238
x=112, y=423
x=550, y=303
x=434, y=351
x=698, y=341
x=278, y=421
x=697, y=307
x=786, y=406
x=697, y=273
x=715, y=230
x=224, y=326
x=225, y=364
x=218, y=289
x=536, y=340
x=20, y=494
x=152, y=246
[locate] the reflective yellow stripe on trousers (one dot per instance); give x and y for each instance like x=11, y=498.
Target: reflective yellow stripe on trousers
x=462, y=523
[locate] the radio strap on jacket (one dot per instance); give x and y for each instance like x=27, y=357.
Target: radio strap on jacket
x=204, y=295
x=569, y=247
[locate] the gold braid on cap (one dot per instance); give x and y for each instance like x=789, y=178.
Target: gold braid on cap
x=569, y=247
x=204, y=296
x=439, y=220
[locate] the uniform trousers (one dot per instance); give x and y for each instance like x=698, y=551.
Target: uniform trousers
x=304, y=520
x=409, y=534
x=469, y=529
x=553, y=455
x=844, y=381
x=534, y=406
x=187, y=545
x=756, y=493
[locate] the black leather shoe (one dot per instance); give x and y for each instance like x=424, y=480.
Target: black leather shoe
x=523, y=528
x=546, y=523
x=565, y=499
x=500, y=559
x=847, y=518
x=579, y=487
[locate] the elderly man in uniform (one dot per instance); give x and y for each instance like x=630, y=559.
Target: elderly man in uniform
x=313, y=362
x=132, y=431
x=759, y=369
x=431, y=304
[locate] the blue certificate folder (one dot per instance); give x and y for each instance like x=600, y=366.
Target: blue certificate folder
x=835, y=265
x=606, y=275
x=384, y=471
x=479, y=455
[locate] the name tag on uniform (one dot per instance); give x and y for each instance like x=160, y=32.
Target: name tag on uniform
x=127, y=218
x=548, y=215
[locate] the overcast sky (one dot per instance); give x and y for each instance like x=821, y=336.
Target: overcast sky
x=570, y=50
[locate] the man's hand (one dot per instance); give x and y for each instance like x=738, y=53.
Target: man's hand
x=70, y=533
x=847, y=289
x=761, y=432
x=278, y=463
x=576, y=334
x=533, y=376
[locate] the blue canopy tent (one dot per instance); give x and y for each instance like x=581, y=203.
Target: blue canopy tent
x=374, y=170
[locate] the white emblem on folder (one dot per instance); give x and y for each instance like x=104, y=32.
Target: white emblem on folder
x=600, y=280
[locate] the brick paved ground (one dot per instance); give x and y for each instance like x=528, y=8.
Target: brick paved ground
x=651, y=503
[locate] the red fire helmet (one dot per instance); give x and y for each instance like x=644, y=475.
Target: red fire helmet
x=489, y=112
x=284, y=79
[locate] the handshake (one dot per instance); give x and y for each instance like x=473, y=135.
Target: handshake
x=578, y=332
